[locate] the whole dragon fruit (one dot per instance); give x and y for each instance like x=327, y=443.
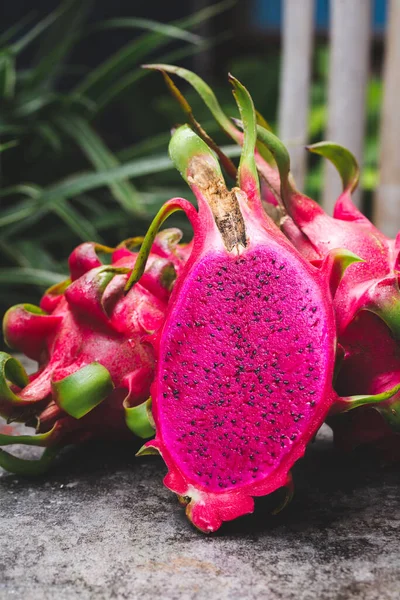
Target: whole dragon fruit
x=89, y=338
x=246, y=354
x=368, y=293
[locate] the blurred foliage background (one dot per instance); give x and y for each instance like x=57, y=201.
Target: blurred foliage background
x=84, y=130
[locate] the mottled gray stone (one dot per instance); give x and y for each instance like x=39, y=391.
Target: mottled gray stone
x=101, y=526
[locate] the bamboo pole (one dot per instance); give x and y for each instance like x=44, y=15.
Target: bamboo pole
x=350, y=27
x=387, y=201
x=297, y=42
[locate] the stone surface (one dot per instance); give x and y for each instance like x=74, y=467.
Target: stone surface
x=100, y=525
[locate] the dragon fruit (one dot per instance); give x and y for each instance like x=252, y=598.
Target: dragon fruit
x=372, y=286
x=246, y=354
x=95, y=366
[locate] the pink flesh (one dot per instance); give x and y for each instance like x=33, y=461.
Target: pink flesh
x=243, y=357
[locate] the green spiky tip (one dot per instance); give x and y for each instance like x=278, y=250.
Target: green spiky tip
x=376, y=400
x=344, y=161
x=204, y=91
x=247, y=173
x=21, y=466
x=81, y=392
x=277, y=149
x=334, y=265
x=58, y=288
x=184, y=146
x=147, y=450
x=12, y=371
x=342, y=259
x=139, y=419
x=41, y=439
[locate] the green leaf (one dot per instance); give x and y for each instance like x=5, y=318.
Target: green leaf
x=8, y=75
x=49, y=135
x=15, y=29
x=60, y=39
x=167, y=30
x=82, y=391
x=30, y=253
x=76, y=222
x=38, y=29
x=100, y=79
x=102, y=158
x=7, y=145
x=27, y=276
x=73, y=186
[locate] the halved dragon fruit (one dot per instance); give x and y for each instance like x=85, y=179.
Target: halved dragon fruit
x=247, y=350
x=89, y=338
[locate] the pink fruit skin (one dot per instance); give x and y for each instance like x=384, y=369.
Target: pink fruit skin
x=244, y=360
x=93, y=320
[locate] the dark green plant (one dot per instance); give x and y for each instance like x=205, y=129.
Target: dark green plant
x=60, y=182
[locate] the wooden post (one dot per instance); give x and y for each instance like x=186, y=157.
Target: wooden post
x=297, y=42
x=387, y=201
x=350, y=24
